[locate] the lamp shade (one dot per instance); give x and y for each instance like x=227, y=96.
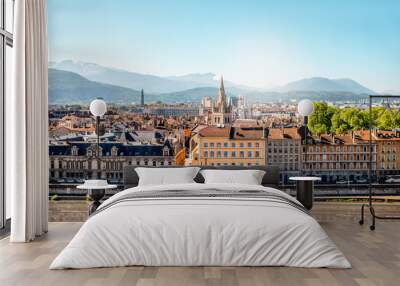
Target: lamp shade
x=305, y=107
x=98, y=107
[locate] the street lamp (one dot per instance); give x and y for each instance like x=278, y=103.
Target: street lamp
x=305, y=108
x=98, y=108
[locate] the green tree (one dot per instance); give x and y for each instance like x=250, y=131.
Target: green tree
x=348, y=119
x=327, y=119
x=339, y=123
x=320, y=121
x=386, y=120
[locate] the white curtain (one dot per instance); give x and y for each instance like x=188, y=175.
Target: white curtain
x=27, y=121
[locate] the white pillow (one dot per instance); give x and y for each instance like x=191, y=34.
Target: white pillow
x=248, y=177
x=166, y=176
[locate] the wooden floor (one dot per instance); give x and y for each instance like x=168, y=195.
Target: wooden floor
x=375, y=257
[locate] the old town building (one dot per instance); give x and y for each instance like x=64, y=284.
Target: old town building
x=228, y=146
x=73, y=162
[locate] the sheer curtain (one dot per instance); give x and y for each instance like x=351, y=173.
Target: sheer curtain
x=27, y=121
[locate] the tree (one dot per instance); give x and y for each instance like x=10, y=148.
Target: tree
x=386, y=120
x=339, y=123
x=348, y=119
x=320, y=121
x=327, y=119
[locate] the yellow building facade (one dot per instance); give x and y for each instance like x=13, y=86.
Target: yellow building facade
x=228, y=146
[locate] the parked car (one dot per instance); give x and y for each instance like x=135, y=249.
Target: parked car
x=362, y=181
x=393, y=179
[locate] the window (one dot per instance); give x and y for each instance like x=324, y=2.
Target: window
x=233, y=154
x=241, y=144
x=6, y=43
x=249, y=145
x=226, y=145
x=241, y=154
x=233, y=145
x=225, y=154
x=205, y=144
x=212, y=145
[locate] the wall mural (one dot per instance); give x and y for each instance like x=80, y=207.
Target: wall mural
x=218, y=83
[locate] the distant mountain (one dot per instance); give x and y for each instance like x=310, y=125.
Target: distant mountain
x=200, y=78
x=390, y=92
x=68, y=87
x=189, y=95
x=137, y=81
x=71, y=88
x=321, y=84
x=80, y=82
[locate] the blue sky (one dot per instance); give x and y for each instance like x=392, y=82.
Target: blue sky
x=259, y=43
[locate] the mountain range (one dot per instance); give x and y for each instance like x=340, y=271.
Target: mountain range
x=80, y=82
x=150, y=83
x=325, y=84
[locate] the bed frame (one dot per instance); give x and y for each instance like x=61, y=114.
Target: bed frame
x=271, y=178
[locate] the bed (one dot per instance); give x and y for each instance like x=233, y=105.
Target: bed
x=197, y=224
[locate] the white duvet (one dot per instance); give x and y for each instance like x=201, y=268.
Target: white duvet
x=193, y=231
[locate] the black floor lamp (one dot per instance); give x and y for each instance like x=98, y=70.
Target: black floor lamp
x=305, y=108
x=98, y=108
x=370, y=205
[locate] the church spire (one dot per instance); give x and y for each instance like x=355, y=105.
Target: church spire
x=221, y=101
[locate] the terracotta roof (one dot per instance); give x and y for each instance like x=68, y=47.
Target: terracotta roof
x=385, y=135
x=253, y=132
x=283, y=133
x=247, y=133
x=238, y=133
x=214, y=131
x=198, y=128
x=246, y=123
x=360, y=136
x=345, y=138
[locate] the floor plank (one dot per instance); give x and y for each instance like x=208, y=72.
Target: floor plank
x=375, y=257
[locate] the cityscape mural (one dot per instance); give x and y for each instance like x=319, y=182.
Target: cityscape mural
x=205, y=83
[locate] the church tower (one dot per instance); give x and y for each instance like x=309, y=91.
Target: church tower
x=221, y=99
x=221, y=113
x=142, y=97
